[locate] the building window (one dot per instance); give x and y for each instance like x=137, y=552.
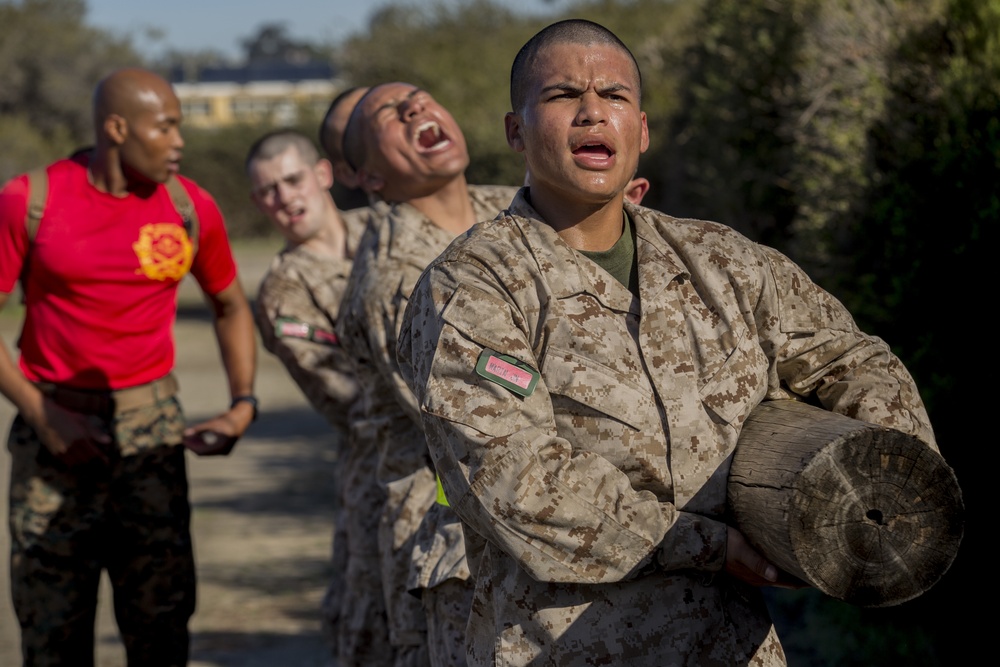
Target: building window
x=196, y=108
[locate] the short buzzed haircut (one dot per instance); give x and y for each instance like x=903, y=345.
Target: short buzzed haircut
x=334, y=145
x=570, y=31
x=277, y=142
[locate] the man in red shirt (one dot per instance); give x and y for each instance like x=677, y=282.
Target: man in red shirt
x=98, y=480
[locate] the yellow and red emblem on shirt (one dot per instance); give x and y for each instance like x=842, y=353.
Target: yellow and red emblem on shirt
x=164, y=250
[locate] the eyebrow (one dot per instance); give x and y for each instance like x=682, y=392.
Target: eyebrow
x=284, y=178
x=573, y=88
x=396, y=102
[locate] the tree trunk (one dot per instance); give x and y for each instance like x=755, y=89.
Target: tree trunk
x=866, y=514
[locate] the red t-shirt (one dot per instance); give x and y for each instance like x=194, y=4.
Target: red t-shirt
x=101, y=290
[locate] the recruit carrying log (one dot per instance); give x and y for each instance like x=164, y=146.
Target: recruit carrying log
x=866, y=514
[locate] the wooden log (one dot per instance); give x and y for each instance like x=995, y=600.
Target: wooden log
x=866, y=514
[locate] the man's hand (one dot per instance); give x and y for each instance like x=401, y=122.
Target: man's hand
x=218, y=436
x=71, y=437
x=746, y=564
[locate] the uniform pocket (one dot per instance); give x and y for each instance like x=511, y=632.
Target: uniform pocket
x=603, y=390
x=739, y=384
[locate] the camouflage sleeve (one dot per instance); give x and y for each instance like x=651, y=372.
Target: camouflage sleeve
x=816, y=348
x=380, y=320
x=367, y=326
x=292, y=328
x=565, y=514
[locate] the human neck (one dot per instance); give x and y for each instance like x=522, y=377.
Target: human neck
x=448, y=207
x=582, y=225
x=107, y=175
x=331, y=239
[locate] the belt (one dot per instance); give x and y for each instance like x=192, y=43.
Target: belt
x=107, y=403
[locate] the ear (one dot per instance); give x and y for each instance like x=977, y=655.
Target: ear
x=370, y=181
x=512, y=127
x=645, y=134
x=636, y=190
x=345, y=176
x=324, y=173
x=116, y=129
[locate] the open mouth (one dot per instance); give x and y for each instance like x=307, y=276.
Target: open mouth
x=430, y=137
x=593, y=150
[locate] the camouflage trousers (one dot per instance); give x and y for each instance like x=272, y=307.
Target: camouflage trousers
x=447, y=606
x=363, y=632
x=130, y=517
x=333, y=599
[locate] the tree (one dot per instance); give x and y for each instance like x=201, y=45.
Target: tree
x=49, y=63
x=462, y=53
x=921, y=257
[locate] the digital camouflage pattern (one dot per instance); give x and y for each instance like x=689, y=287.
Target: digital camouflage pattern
x=601, y=494
x=446, y=607
x=296, y=313
x=398, y=244
x=364, y=630
x=130, y=516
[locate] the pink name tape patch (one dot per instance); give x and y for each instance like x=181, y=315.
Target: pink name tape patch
x=508, y=372
x=285, y=327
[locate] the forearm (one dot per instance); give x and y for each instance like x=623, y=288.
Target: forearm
x=579, y=496
x=564, y=516
x=15, y=387
x=18, y=390
x=234, y=332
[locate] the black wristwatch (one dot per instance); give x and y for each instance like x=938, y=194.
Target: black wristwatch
x=246, y=398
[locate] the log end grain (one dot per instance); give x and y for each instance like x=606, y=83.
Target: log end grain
x=866, y=514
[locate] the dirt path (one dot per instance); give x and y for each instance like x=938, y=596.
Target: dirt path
x=262, y=517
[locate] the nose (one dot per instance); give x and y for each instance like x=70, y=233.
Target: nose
x=178, y=139
x=591, y=110
x=410, y=107
x=282, y=192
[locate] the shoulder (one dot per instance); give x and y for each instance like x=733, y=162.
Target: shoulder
x=493, y=196
x=355, y=223
x=16, y=193
x=501, y=252
x=60, y=170
x=196, y=192
x=204, y=203
x=686, y=229
x=283, y=287
x=700, y=241
x=373, y=257
x=282, y=270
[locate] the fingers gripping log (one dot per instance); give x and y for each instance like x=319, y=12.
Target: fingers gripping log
x=864, y=513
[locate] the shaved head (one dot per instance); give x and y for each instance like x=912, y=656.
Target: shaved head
x=137, y=121
x=571, y=31
x=128, y=91
x=277, y=142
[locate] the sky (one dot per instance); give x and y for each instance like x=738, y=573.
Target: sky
x=219, y=25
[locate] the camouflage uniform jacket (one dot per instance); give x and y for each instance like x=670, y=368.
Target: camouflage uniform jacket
x=398, y=244
x=601, y=491
x=296, y=311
